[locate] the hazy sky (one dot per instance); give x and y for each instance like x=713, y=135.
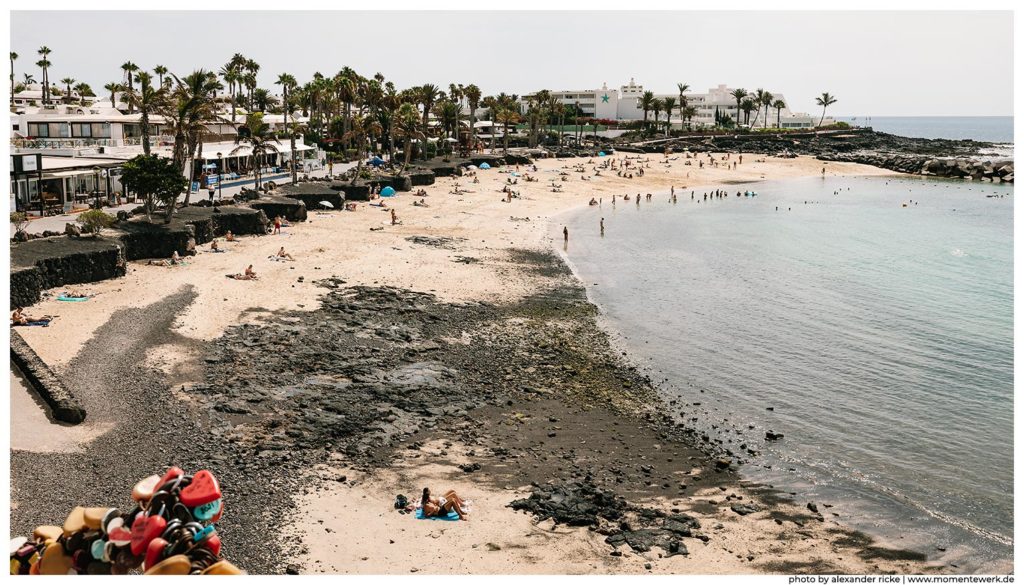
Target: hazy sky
x=876, y=63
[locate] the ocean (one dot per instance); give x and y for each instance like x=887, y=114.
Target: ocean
x=985, y=128
x=877, y=338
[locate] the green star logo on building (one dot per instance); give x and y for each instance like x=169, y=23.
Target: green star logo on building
x=604, y=98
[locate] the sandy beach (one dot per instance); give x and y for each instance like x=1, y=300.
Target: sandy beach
x=495, y=300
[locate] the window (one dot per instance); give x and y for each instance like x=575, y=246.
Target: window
x=39, y=130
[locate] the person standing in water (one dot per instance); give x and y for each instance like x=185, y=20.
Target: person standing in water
x=602, y=226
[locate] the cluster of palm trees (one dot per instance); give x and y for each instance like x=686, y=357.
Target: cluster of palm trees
x=49, y=89
x=649, y=103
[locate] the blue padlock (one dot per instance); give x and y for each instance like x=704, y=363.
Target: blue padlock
x=208, y=530
x=207, y=511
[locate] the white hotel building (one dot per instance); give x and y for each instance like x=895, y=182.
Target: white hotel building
x=624, y=104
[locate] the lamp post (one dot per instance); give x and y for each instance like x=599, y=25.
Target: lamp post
x=96, y=171
x=220, y=176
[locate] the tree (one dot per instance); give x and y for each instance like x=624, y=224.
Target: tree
x=68, y=81
x=766, y=100
x=256, y=133
x=288, y=83
x=656, y=106
x=83, y=90
x=778, y=105
x=428, y=94
x=19, y=220
x=362, y=127
x=129, y=69
x=683, y=102
x=187, y=109
x=154, y=179
x=160, y=70
x=45, y=64
x=14, y=57
x=113, y=88
x=506, y=116
x=688, y=113
x=825, y=100
x=646, y=103
x=747, y=106
x=406, y=122
x=94, y=221
x=738, y=95
x=473, y=100
x=669, y=104
x=148, y=100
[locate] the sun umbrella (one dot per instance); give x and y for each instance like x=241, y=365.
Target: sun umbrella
x=387, y=192
x=484, y=166
x=327, y=204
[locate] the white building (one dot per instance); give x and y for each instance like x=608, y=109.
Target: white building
x=624, y=104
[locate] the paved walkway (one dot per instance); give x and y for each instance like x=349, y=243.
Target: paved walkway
x=55, y=223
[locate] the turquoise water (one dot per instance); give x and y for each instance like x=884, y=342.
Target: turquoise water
x=881, y=335
x=984, y=128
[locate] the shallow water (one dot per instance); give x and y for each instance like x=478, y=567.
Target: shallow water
x=881, y=335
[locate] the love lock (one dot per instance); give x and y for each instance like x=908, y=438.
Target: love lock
x=207, y=511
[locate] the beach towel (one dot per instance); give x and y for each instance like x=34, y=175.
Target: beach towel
x=452, y=516
x=43, y=323
x=68, y=299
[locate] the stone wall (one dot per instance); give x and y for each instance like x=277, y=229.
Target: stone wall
x=272, y=206
x=46, y=263
x=63, y=404
x=144, y=239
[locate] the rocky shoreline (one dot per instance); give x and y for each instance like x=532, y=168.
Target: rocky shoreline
x=534, y=387
x=924, y=156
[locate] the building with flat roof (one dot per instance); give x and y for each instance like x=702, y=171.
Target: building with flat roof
x=624, y=104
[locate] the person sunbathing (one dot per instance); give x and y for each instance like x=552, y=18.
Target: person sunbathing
x=20, y=319
x=282, y=254
x=443, y=505
x=173, y=261
x=229, y=237
x=250, y=274
x=215, y=247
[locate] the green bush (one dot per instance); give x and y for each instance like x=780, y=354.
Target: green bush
x=19, y=220
x=94, y=221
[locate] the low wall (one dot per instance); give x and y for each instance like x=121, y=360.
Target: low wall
x=46, y=263
x=420, y=178
x=398, y=183
x=63, y=404
x=214, y=222
x=144, y=239
x=271, y=206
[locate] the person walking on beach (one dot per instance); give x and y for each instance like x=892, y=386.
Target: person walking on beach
x=565, y=233
x=602, y=227
x=277, y=224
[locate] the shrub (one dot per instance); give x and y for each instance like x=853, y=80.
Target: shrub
x=94, y=221
x=19, y=220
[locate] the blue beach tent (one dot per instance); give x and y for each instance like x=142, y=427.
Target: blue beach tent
x=376, y=161
x=387, y=192
x=484, y=166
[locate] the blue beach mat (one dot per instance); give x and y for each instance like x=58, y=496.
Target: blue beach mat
x=452, y=516
x=72, y=299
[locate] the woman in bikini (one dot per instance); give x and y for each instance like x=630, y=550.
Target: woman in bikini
x=442, y=506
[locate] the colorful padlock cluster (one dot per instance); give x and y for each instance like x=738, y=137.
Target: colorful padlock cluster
x=170, y=531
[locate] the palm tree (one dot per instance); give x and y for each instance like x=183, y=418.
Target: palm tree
x=45, y=64
x=669, y=104
x=656, y=106
x=29, y=80
x=67, y=81
x=406, y=123
x=113, y=87
x=186, y=111
x=506, y=116
x=747, y=106
x=473, y=100
x=766, y=100
x=83, y=90
x=688, y=113
x=778, y=105
x=428, y=93
x=362, y=128
x=646, y=101
x=287, y=83
x=148, y=100
x=758, y=98
x=256, y=133
x=825, y=100
x=683, y=102
x=738, y=95
x=160, y=70
x=14, y=57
